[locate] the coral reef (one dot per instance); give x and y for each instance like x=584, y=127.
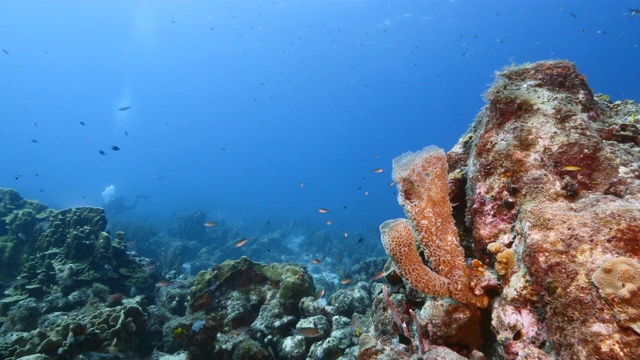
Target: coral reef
x=70, y=271
x=547, y=192
x=259, y=311
x=520, y=243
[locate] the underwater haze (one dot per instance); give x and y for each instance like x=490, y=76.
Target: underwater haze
x=266, y=111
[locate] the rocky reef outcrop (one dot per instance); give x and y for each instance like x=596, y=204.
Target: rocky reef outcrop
x=247, y=310
x=545, y=189
x=69, y=287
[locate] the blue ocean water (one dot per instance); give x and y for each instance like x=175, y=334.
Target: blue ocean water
x=265, y=111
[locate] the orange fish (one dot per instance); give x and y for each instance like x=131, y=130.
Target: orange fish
x=346, y=281
x=378, y=275
x=377, y=171
x=242, y=242
x=323, y=210
x=316, y=261
x=318, y=295
x=163, y=283
x=210, y=224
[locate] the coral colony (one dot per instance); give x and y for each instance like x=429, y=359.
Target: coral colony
x=519, y=243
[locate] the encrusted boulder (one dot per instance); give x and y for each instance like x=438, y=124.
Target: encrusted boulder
x=250, y=309
x=545, y=196
x=552, y=175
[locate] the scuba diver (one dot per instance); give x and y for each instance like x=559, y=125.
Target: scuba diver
x=119, y=205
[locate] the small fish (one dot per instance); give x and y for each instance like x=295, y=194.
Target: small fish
x=102, y=152
x=115, y=148
x=126, y=134
x=316, y=261
x=354, y=321
x=35, y=124
x=633, y=13
x=241, y=242
x=329, y=222
x=573, y=15
x=163, y=283
x=572, y=168
x=379, y=275
x=318, y=295
x=17, y=177
x=149, y=268
x=210, y=224
x=601, y=32
x=358, y=330
x=301, y=184
x=323, y=210
x=377, y=156
x=633, y=119
x=346, y=281
x=124, y=108
x=346, y=234
x=392, y=183
x=35, y=141
x=377, y=171
x=82, y=123
x=307, y=332
x=6, y=52
x=359, y=240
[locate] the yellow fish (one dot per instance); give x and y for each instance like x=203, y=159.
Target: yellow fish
x=572, y=168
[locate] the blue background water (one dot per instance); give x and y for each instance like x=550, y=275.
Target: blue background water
x=234, y=103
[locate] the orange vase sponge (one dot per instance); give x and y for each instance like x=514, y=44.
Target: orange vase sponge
x=423, y=192
x=398, y=241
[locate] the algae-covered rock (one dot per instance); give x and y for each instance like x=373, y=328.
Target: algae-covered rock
x=21, y=224
x=291, y=281
x=356, y=299
x=243, y=294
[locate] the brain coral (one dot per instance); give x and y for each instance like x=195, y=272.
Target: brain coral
x=618, y=280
